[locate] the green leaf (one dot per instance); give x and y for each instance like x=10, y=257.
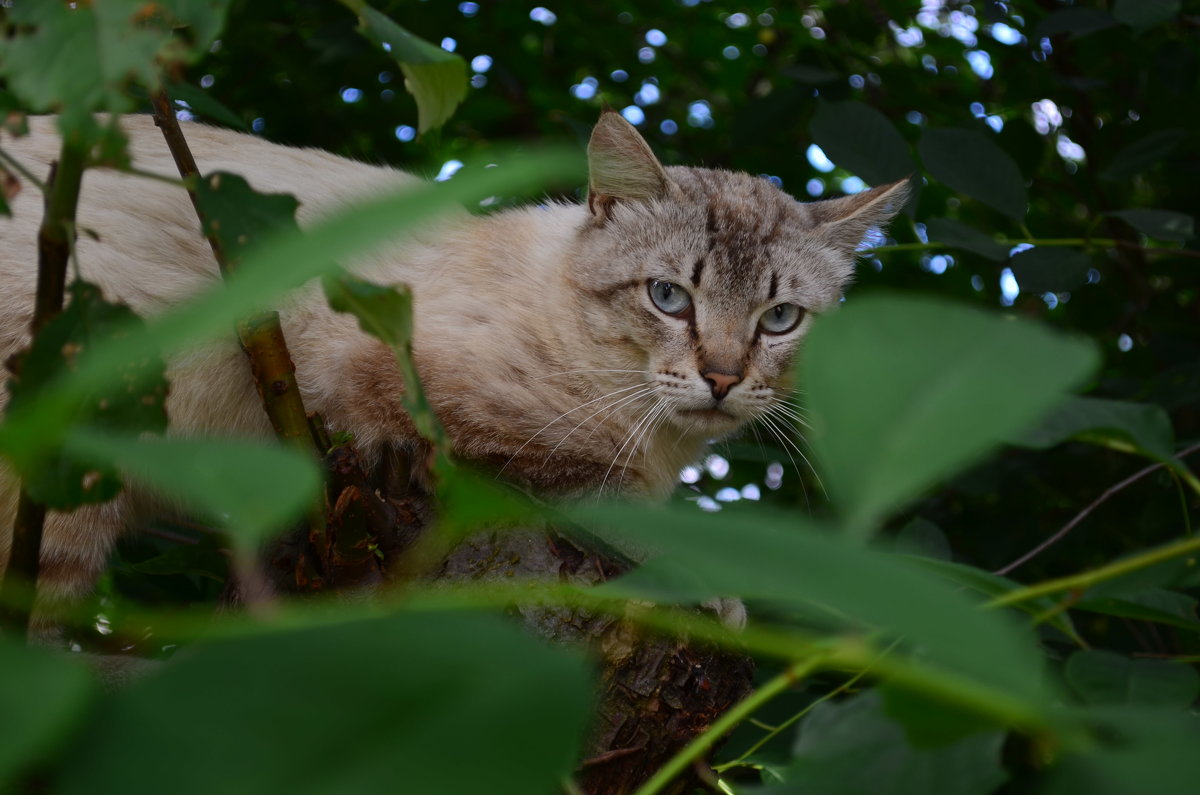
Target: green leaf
x=424, y=703
x=437, y=79
x=203, y=559
x=1142, y=154
x=1141, y=15
x=1163, y=224
x=905, y=391
x=970, y=162
x=1050, y=269
x=202, y=103
x=755, y=553
x=862, y=140
x=239, y=217
x=44, y=697
x=993, y=585
x=386, y=314
x=959, y=235
x=288, y=261
x=852, y=747
x=924, y=538
x=254, y=490
x=1143, y=751
x=1077, y=22
x=1144, y=427
x=1103, y=677
x=1153, y=604
x=76, y=60
x=134, y=404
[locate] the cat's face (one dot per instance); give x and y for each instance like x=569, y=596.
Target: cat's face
x=704, y=282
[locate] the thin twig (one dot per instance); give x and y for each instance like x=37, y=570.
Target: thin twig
x=1079, y=517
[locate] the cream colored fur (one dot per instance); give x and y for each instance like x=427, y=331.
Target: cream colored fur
x=536, y=337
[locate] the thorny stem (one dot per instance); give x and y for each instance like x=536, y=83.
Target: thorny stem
x=19, y=584
x=700, y=745
x=1079, y=517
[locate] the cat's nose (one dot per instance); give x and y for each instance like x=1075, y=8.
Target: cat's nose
x=720, y=382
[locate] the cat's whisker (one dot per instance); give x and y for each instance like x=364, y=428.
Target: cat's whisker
x=579, y=372
x=628, y=438
x=559, y=417
x=659, y=412
x=789, y=411
x=799, y=452
x=648, y=390
x=778, y=434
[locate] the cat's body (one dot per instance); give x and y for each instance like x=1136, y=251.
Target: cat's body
x=542, y=334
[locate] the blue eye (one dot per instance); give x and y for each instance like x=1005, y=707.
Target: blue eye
x=781, y=318
x=669, y=297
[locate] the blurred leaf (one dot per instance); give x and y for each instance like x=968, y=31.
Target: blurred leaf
x=134, y=404
x=1142, y=154
x=76, y=60
x=437, y=79
x=1050, y=269
x=288, y=261
x=862, y=140
x=203, y=559
x=970, y=162
x=810, y=75
x=204, y=104
x=1075, y=21
x=1146, y=751
x=239, y=217
x=429, y=703
x=959, y=235
x=44, y=697
x=253, y=489
x=1153, y=604
x=1143, y=426
x=1163, y=224
x=928, y=723
x=905, y=391
x=852, y=747
x=1141, y=15
x=1102, y=677
x=993, y=585
x=755, y=553
x=922, y=537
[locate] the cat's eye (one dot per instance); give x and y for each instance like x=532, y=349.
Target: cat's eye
x=781, y=318
x=669, y=297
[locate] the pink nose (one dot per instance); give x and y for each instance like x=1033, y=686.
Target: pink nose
x=721, y=383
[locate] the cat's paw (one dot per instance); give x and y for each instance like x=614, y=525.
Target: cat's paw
x=731, y=612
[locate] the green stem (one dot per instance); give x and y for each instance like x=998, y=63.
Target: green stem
x=774, y=731
x=18, y=585
x=1088, y=579
x=699, y=746
x=11, y=162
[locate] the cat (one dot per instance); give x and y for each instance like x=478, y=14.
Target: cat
x=578, y=348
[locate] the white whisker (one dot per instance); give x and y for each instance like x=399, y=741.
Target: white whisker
x=610, y=407
x=559, y=417
x=628, y=438
x=576, y=372
x=783, y=442
x=800, y=453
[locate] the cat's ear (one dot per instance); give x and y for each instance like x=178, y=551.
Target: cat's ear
x=621, y=166
x=845, y=222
